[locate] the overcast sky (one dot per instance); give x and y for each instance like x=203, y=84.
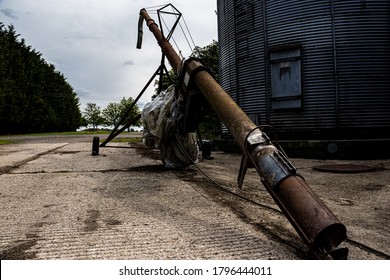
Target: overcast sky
x=93, y=42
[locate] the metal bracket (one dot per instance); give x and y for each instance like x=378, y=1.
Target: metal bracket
x=193, y=104
x=242, y=172
x=251, y=139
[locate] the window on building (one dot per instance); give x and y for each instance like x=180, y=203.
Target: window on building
x=286, y=79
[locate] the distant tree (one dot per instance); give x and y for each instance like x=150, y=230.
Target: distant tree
x=167, y=80
x=124, y=105
x=208, y=55
x=83, y=122
x=93, y=115
x=34, y=97
x=209, y=128
x=111, y=114
x=114, y=112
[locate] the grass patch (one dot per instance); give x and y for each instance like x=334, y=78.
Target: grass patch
x=125, y=136
x=5, y=142
x=84, y=132
x=126, y=139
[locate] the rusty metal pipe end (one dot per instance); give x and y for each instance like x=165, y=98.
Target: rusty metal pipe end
x=328, y=239
x=311, y=218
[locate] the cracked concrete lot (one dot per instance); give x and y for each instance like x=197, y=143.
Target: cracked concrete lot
x=57, y=201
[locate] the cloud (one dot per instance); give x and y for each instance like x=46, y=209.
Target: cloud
x=9, y=13
x=128, y=63
x=82, y=92
x=81, y=36
x=93, y=43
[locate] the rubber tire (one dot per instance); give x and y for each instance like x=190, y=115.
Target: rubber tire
x=95, y=145
x=206, y=149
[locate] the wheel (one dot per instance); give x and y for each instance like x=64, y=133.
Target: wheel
x=95, y=145
x=206, y=149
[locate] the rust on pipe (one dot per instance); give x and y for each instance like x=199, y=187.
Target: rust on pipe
x=311, y=218
x=318, y=227
x=238, y=123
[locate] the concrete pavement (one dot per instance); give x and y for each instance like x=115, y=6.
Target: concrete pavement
x=59, y=202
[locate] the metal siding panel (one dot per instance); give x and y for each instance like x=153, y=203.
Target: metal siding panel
x=363, y=60
x=307, y=23
x=358, y=97
x=226, y=46
x=251, y=67
x=227, y=51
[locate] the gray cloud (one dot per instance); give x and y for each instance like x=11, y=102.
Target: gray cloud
x=9, y=13
x=92, y=43
x=81, y=92
x=82, y=36
x=128, y=63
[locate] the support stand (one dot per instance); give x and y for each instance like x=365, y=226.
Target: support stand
x=161, y=71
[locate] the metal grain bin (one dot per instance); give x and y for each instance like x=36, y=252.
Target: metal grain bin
x=311, y=69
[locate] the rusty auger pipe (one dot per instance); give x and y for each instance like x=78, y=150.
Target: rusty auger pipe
x=318, y=227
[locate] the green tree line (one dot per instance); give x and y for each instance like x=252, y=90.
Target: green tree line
x=34, y=96
x=114, y=114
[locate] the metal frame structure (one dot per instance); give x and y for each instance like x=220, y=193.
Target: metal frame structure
x=315, y=223
x=162, y=70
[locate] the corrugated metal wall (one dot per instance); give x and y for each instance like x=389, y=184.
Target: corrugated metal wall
x=363, y=62
x=309, y=25
x=345, y=62
x=227, y=51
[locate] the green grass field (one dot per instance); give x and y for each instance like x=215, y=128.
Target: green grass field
x=124, y=136
x=5, y=142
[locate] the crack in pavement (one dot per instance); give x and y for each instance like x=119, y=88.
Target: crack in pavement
x=7, y=169
x=147, y=168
